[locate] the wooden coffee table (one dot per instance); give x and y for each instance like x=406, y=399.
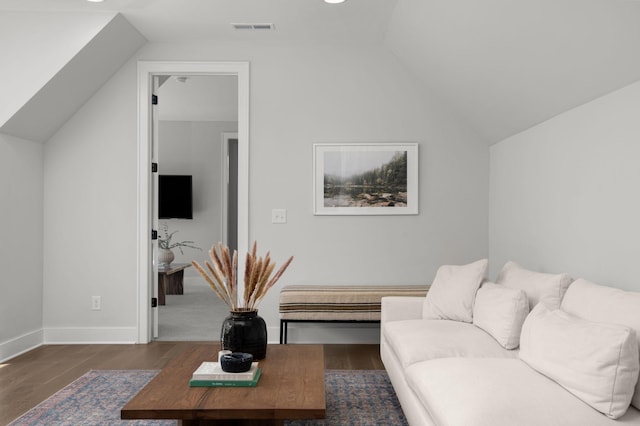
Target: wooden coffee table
x=291, y=387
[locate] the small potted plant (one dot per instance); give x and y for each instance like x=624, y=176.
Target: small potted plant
x=165, y=255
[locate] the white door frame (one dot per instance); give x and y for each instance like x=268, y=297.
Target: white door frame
x=146, y=70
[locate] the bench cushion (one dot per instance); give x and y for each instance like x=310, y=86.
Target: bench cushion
x=339, y=303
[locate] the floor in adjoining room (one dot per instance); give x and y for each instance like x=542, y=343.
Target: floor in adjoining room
x=195, y=315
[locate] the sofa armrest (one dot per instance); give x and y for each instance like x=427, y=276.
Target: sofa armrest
x=398, y=308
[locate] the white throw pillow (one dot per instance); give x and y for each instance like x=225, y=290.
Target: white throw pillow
x=500, y=311
x=596, y=362
x=540, y=287
x=601, y=303
x=453, y=291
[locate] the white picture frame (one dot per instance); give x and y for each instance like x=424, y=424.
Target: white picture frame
x=365, y=178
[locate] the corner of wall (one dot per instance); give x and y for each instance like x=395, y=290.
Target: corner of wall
x=21, y=344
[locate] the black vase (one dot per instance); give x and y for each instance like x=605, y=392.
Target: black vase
x=245, y=331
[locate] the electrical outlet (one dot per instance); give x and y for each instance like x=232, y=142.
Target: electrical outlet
x=96, y=303
x=279, y=216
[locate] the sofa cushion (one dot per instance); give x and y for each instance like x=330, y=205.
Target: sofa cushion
x=499, y=392
x=595, y=302
x=453, y=291
x=597, y=362
x=540, y=287
x=500, y=311
x=419, y=340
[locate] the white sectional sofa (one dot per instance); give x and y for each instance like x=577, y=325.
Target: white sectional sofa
x=531, y=349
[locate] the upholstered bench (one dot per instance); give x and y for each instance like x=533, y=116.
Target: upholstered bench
x=332, y=303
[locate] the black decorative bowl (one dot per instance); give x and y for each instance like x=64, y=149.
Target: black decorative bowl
x=236, y=362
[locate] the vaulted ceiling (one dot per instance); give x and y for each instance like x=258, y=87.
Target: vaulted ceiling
x=502, y=65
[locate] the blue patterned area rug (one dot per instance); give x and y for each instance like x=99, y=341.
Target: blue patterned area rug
x=356, y=397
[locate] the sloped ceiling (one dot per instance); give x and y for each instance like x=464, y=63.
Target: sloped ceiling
x=356, y=21
x=75, y=82
x=507, y=65
x=502, y=65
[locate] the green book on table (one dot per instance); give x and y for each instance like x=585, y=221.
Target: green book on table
x=210, y=374
x=194, y=383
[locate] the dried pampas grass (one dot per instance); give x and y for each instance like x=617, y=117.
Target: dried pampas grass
x=221, y=275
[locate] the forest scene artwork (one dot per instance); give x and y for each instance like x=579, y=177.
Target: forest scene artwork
x=365, y=179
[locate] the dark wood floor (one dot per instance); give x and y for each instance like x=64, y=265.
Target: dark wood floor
x=27, y=380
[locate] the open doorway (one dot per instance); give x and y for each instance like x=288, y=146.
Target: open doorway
x=195, y=116
x=230, y=214
x=147, y=71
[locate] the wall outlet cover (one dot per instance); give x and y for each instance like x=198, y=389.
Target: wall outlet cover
x=96, y=303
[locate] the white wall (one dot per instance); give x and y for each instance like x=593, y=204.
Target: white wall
x=195, y=148
x=299, y=95
x=564, y=194
x=199, y=98
x=90, y=199
x=21, y=190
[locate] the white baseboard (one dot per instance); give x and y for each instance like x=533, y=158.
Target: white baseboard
x=21, y=344
x=316, y=333
x=329, y=333
x=90, y=335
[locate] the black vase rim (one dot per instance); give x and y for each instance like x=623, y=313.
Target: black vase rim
x=244, y=311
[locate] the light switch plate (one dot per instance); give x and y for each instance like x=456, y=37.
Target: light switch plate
x=279, y=216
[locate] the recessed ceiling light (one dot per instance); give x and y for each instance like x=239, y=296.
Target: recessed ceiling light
x=95, y=1
x=334, y=1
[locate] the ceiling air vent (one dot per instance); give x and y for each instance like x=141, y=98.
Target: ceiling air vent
x=253, y=26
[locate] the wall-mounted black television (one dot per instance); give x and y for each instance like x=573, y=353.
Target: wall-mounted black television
x=175, y=199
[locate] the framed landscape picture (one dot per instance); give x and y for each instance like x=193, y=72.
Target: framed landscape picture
x=365, y=178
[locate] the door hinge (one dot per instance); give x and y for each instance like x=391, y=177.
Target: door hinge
x=154, y=99
x=154, y=302
x=154, y=167
x=154, y=234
